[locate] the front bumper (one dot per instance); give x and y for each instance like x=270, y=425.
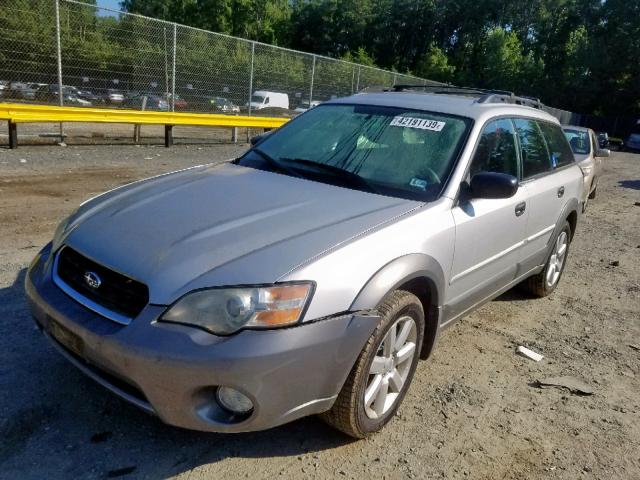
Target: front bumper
x=173, y=370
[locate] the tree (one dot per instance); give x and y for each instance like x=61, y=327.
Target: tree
x=502, y=60
x=434, y=65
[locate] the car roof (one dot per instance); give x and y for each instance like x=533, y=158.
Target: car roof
x=449, y=103
x=578, y=129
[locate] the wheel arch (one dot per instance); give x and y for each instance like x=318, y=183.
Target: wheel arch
x=417, y=273
x=572, y=218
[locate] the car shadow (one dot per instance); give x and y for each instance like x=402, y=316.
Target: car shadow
x=513, y=295
x=57, y=423
x=632, y=184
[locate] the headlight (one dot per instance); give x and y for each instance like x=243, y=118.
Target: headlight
x=226, y=310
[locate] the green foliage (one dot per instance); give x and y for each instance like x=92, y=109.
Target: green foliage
x=434, y=65
x=360, y=56
x=581, y=55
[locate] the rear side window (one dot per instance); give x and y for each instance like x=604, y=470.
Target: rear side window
x=535, y=157
x=559, y=149
x=496, y=150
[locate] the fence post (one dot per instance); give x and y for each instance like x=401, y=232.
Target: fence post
x=173, y=72
x=358, y=80
x=395, y=79
x=59, y=55
x=253, y=52
x=353, y=78
x=13, y=134
x=313, y=74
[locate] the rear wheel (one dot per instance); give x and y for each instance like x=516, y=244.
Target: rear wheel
x=383, y=372
x=547, y=280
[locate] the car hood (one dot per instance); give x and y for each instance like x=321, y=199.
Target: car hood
x=225, y=225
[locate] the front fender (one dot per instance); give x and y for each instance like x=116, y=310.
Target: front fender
x=398, y=272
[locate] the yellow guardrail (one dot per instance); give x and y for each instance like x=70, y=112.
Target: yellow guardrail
x=23, y=113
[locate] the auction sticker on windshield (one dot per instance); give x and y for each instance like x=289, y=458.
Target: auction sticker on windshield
x=421, y=123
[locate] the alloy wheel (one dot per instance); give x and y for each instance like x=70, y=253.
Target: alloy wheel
x=390, y=367
x=556, y=262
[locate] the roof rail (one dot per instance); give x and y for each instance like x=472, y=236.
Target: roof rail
x=449, y=88
x=485, y=95
x=513, y=99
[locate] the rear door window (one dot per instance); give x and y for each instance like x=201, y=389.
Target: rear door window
x=559, y=150
x=533, y=148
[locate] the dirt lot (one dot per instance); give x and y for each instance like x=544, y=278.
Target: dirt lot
x=473, y=410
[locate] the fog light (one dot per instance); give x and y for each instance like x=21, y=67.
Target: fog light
x=234, y=401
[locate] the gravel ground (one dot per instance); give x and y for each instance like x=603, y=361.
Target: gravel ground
x=473, y=410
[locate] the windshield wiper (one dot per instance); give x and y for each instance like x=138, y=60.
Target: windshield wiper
x=273, y=163
x=352, y=178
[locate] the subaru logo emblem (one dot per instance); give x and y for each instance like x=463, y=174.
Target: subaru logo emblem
x=92, y=279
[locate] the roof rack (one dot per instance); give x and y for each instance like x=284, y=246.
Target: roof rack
x=485, y=95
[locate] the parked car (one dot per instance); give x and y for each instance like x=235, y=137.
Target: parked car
x=180, y=103
x=304, y=105
x=50, y=92
x=309, y=275
x=4, y=84
x=224, y=105
x=632, y=143
x=603, y=139
x=153, y=102
x=90, y=96
x=71, y=95
x=264, y=99
x=588, y=153
x=75, y=100
x=114, y=97
x=21, y=90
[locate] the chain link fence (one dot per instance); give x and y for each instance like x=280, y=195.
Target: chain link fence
x=75, y=54
x=66, y=52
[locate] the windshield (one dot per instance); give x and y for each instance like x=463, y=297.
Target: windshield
x=257, y=98
x=391, y=151
x=579, y=141
x=635, y=137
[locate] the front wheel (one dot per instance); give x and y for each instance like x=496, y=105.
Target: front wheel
x=547, y=280
x=383, y=371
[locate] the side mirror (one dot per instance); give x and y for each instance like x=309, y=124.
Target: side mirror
x=259, y=138
x=256, y=140
x=603, y=152
x=493, y=185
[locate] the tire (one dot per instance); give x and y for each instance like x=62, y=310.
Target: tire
x=594, y=192
x=545, y=282
x=352, y=413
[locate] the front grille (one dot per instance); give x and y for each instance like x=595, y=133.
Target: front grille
x=116, y=292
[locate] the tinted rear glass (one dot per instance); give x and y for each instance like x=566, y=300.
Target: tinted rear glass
x=559, y=148
x=535, y=157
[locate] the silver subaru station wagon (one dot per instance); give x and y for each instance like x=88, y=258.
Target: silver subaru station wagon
x=311, y=274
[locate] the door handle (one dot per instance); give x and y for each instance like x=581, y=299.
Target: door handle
x=520, y=208
x=560, y=192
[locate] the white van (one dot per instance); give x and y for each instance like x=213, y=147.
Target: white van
x=264, y=99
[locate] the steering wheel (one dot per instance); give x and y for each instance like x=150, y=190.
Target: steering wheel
x=433, y=176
